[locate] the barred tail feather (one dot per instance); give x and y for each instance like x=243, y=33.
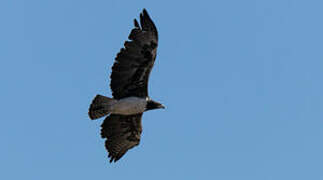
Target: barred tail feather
x=100, y=106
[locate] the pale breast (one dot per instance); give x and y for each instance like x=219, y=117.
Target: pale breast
x=130, y=105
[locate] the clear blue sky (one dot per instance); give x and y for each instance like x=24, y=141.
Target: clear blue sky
x=242, y=82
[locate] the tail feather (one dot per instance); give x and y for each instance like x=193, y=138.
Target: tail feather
x=100, y=106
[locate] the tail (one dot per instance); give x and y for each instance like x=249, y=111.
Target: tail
x=100, y=106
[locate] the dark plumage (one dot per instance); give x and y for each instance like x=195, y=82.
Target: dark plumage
x=129, y=84
x=133, y=63
x=122, y=133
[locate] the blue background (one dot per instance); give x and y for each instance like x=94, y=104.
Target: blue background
x=242, y=82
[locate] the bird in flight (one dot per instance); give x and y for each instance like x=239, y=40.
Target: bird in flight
x=129, y=84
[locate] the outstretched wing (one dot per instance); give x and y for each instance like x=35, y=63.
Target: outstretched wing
x=133, y=64
x=122, y=133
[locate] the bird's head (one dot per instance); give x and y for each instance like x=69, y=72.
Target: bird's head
x=153, y=105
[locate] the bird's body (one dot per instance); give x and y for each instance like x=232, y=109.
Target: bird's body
x=129, y=106
x=129, y=84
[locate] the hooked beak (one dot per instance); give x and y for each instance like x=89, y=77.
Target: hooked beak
x=161, y=106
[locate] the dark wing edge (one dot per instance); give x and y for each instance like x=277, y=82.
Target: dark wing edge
x=147, y=24
x=133, y=64
x=122, y=132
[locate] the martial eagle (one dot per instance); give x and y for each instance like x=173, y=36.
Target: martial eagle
x=129, y=84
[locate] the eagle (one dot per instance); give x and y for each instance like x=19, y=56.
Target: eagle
x=122, y=126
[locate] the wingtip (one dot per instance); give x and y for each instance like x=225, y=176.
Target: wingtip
x=141, y=17
x=113, y=160
x=144, y=12
x=136, y=23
